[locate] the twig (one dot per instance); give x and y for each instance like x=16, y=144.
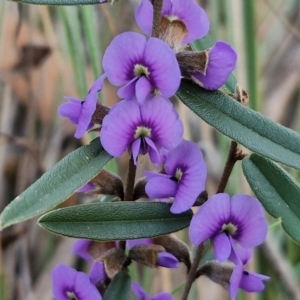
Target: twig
x=130, y=180
x=157, y=7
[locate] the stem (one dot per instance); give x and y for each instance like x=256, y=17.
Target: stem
x=192, y=272
x=130, y=180
x=157, y=7
x=231, y=160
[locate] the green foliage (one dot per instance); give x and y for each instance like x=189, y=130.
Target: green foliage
x=276, y=190
x=59, y=2
x=115, y=221
x=242, y=124
x=56, y=185
x=119, y=288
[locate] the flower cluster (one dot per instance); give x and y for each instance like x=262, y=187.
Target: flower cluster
x=148, y=71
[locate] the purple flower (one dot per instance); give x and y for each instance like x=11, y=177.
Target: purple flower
x=71, y=284
x=141, y=67
x=228, y=221
x=80, y=112
x=88, y=187
x=132, y=243
x=142, y=129
x=142, y=295
x=97, y=273
x=245, y=280
x=191, y=14
x=167, y=260
x=221, y=62
x=81, y=248
x=184, y=179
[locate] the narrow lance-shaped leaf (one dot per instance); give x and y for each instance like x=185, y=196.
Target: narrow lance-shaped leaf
x=115, y=221
x=119, y=288
x=276, y=190
x=242, y=124
x=57, y=184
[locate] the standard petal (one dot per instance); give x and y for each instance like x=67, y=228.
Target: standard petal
x=222, y=247
x=142, y=89
x=139, y=291
x=194, y=18
x=71, y=110
x=222, y=61
x=252, y=282
x=166, y=127
x=144, y=16
x=208, y=221
x=118, y=127
x=163, y=67
x=161, y=187
x=81, y=247
x=121, y=55
x=167, y=8
x=248, y=214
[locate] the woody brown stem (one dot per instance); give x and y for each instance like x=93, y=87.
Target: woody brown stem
x=157, y=7
x=130, y=180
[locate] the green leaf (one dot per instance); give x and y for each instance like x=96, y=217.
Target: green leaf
x=59, y=2
x=115, y=220
x=56, y=185
x=276, y=190
x=242, y=124
x=119, y=288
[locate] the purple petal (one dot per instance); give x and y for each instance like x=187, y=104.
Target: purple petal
x=194, y=17
x=161, y=186
x=142, y=89
x=163, y=66
x=248, y=214
x=135, y=148
x=81, y=247
x=131, y=243
x=71, y=110
x=127, y=92
x=153, y=152
x=118, y=127
x=166, y=260
x=86, y=188
x=252, y=282
x=167, y=8
x=239, y=254
x=97, y=273
x=160, y=116
x=222, y=61
x=222, y=247
x=144, y=16
x=139, y=291
x=88, y=109
x=235, y=280
x=98, y=84
x=121, y=55
x=208, y=221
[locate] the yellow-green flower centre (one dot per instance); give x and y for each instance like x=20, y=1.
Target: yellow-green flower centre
x=71, y=296
x=178, y=174
x=172, y=18
x=142, y=131
x=140, y=70
x=229, y=228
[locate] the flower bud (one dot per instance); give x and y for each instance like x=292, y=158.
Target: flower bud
x=176, y=247
x=114, y=261
x=241, y=95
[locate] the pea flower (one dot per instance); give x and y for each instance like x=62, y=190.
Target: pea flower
x=71, y=284
x=80, y=112
x=81, y=248
x=239, y=220
x=142, y=295
x=143, y=129
x=141, y=67
x=185, y=18
x=184, y=179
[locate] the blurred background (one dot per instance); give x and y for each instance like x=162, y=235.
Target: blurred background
x=49, y=52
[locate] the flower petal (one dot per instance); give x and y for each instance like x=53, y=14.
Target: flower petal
x=97, y=273
x=135, y=148
x=235, y=280
x=162, y=296
x=121, y=55
x=139, y=291
x=222, y=61
x=248, y=214
x=163, y=67
x=144, y=16
x=81, y=247
x=167, y=260
x=194, y=17
x=252, y=282
x=160, y=186
x=142, y=89
x=127, y=91
x=71, y=110
x=98, y=84
x=86, y=188
x=208, y=221
x=118, y=127
x=222, y=247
